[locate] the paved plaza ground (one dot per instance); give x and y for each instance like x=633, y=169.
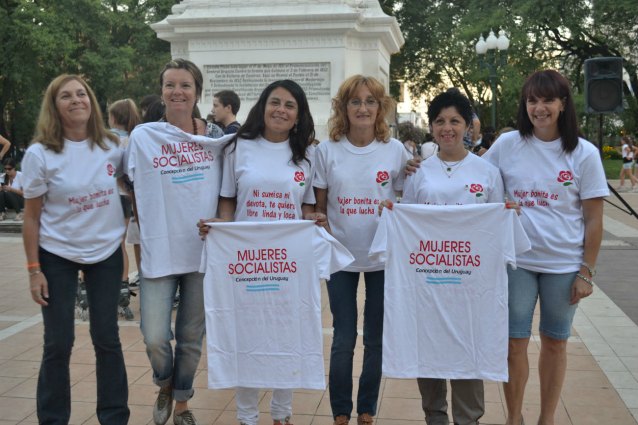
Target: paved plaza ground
x=601, y=386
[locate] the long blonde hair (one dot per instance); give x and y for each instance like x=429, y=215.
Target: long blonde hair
x=339, y=125
x=49, y=130
x=124, y=112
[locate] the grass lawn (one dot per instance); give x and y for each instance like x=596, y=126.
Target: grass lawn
x=612, y=168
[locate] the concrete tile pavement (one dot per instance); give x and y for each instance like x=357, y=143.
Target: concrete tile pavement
x=601, y=384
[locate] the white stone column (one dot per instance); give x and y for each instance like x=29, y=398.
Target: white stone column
x=244, y=45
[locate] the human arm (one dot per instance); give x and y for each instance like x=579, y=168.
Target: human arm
x=593, y=217
x=309, y=212
x=226, y=210
x=38, y=285
x=6, y=145
x=321, y=206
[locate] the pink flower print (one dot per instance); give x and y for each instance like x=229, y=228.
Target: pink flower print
x=300, y=178
x=565, y=177
x=476, y=189
x=383, y=177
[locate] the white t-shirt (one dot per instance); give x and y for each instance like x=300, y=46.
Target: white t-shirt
x=627, y=152
x=445, y=301
x=357, y=180
x=176, y=178
x=265, y=181
x=262, y=298
x=550, y=185
x=81, y=218
x=428, y=149
x=474, y=181
x=17, y=182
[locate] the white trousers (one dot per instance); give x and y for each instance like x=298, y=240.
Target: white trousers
x=247, y=404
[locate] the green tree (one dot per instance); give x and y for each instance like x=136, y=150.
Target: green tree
x=440, y=38
x=108, y=42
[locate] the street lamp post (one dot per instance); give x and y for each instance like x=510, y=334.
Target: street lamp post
x=492, y=53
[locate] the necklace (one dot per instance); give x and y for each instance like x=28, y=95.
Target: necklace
x=449, y=167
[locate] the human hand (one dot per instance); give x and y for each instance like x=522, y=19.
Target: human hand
x=320, y=219
x=513, y=205
x=39, y=288
x=203, y=228
x=412, y=165
x=385, y=204
x=580, y=290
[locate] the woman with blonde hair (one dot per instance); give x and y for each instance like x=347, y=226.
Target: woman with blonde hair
x=628, y=158
x=73, y=221
x=359, y=166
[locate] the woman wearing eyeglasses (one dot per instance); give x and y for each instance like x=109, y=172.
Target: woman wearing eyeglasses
x=11, y=195
x=357, y=168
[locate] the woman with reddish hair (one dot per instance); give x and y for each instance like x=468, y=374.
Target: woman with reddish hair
x=359, y=166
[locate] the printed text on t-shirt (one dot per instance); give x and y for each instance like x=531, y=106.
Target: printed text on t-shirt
x=354, y=205
x=273, y=205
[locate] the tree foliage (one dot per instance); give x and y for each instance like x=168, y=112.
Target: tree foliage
x=109, y=42
x=441, y=35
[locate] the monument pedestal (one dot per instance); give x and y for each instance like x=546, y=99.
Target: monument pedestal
x=244, y=45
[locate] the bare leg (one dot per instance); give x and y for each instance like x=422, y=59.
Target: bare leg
x=552, y=365
x=514, y=390
x=138, y=255
x=622, y=177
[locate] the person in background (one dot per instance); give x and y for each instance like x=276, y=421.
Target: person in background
x=559, y=182
x=6, y=145
x=359, y=161
x=11, y=195
x=270, y=148
x=146, y=103
x=225, y=108
x=628, y=157
x=123, y=117
x=484, y=142
x=166, y=210
x=73, y=222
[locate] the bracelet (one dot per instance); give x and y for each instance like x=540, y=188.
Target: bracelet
x=32, y=265
x=590, y=269
x=33, y=273
x=586, y=279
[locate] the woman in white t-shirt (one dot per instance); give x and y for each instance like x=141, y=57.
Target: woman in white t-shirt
x=356, y=169
x=628, y=160
x=559, y=182
x=73, y=221
x=270, y=157
x=11, y=194
x=176, y=179
x=453, y=176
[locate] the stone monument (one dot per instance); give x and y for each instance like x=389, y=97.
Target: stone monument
x=244, y=45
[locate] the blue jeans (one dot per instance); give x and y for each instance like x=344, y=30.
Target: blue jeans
x=156, y=305
x=103, y=292
x=342, y=293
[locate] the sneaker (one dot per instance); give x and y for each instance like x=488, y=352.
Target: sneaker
x=622, y=189
x=163, y=406
x=364, y=419
x=184, y=418
x=19, y=217
x=134, y=283
x=341, y=420
x=286, y=421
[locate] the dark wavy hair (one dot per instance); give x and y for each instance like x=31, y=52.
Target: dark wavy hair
x=299, y=139
x=451, y=98
x=550, y=84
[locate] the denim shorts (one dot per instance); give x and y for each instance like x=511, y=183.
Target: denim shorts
x=554, y=292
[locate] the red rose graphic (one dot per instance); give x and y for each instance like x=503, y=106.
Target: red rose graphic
x=110, y=170
x=383, y=177
x=565, y=177
x=476, y=188
x=300, y=178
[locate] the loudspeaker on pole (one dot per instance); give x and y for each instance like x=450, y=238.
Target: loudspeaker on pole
x=603, y=85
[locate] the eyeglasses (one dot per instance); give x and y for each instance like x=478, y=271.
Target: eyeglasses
x=370, y=103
